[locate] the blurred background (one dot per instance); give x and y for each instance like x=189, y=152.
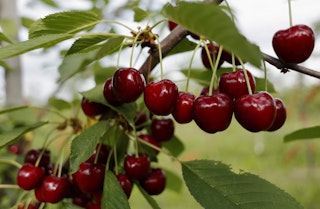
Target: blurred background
x=293, y=166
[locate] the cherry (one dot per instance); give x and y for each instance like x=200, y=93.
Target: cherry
x=155, y=182
x=160, y=97
x=82, y=199
x=295, y=44
x=109, y=94
x=128, y=84
x=15, y=149
x=234, y=83
x=92, y=109
x=102, y=156
x=205, y=91
x=92, y=205
x=33, y=205
x=53, y=189
x=182, y=112
x=89, y=177
x=33, y=155
x=125, y=183
x=30, y=176
x=151, y=140
x=140, y=120
x=281, y=115
x=226, y=56
x=213, y=55
x=213, y=113
x=255, y=112
x=137, y=167
x=162, y=129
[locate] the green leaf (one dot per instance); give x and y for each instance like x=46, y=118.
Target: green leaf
x=305, y=133
x=101, y=74
x=128, y=110
x=183, y=46
x=150, y=200
x=213, y=23
x=59, y=104
x=75, y=63
x=174, y=181
x=69, y=22
x=113, y=196
x=12, y=135
x=31, y=44
x=84, y=144
x=139, y=14
x=27, y=22
x=174, y=145
x=215, y=186
x=260, y=85
x=50, y=3
x=5, y=38
x=85, y=43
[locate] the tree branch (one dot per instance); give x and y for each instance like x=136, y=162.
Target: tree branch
x=282, y=66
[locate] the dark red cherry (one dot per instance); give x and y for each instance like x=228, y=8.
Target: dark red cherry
x=125, y=183
x=89, y=177
x=92, y=109
x=30, y=176
x=137, y=167
x=234, y=83
x=281, y=115
x=161, y=97
x=140, y=120
x=162, y=129
x=128, y=84
x=213, y=113
x=295, y=44
x=15, y=148
x=172, y=26
x=155, y=182
x=53, y=189
x=182, y=112
x=213, y=54
x=103, y=151
x=109, y=94
x=33, y=155
x=151, y=140
x=93, y=205
x=255, y=112
x=32, y=205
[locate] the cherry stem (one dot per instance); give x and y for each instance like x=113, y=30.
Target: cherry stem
x=190, y=66
x=134, y=42
x=160, y=57
x=265, y=75
x=290, y=13
x=109, y=159
x=11, y=162
x=9, y=186
x=246, y=77
x=97, y=153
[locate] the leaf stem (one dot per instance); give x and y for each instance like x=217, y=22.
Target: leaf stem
x=11, y=162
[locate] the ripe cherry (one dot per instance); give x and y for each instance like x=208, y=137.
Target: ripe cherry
x=128, y=84
x=182, y=112
x=32, y=205
x=155, y=182
x=255, y=112
x=281, y=115
x=93, y=205
x=109, y=94
x=53, y=189
x=161, y=97
x=30, y=176
x=172, y=26
x=295, y=44
x=125, y=183
x=234, y=83
x=137, y=167
x=89, y=177
x=140, y=120
x=213, y=113
x=33, y=155
x=92, y=109
x=15, y=148
x=151, y=140
x=162, y=129
x=103, y=151
x=213, y=55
